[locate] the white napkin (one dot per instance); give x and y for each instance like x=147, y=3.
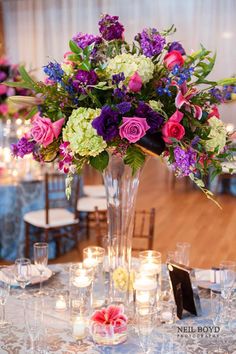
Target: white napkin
x=7, y=275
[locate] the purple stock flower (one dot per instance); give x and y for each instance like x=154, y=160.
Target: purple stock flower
x=22, y=147
x=107, y=124
x=185, y=161
x=120, y=92
x=123, y=107
x=153, y=118
x=110, y=28
x=176, y=46
x=117, y=78
x=84, y=78
x=151, y=42
x=83, y=40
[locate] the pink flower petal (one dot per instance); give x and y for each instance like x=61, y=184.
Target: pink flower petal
x=197, y=111
x=57, y=126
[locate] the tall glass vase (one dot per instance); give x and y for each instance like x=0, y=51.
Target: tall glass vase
x=121, y=191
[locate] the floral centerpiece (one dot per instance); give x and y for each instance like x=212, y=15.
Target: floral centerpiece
x=10, y=72
x=131, y=99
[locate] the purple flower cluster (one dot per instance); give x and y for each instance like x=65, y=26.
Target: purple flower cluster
x=22, y=147
x=83, y=79
x=217, y=94
x=176, y=46
x=54, y=71
x=120, y=93
x=83, y=40
x=154, y=119
x=110, y=28
x=107, y=124
x=185, y=161
x=123, y=107
x=117, y=78
x=151, y=42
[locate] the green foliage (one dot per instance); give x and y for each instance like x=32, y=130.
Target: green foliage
x=134, y=158
x=100, y=162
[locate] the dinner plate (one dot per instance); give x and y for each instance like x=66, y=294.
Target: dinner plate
x=7, y=275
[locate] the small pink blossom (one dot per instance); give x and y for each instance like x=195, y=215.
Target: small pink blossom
x=3, y=109
x=44, y=131
x=111, y=320
x=133, y=128
x=183, y=98
x=135, y=82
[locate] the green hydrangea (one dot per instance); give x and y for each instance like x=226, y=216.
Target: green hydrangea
x=217, y=135
x=82, y=136
x=129, y=64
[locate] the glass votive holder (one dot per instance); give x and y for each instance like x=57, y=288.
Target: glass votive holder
x=145, y=289
x=79, y=328
x=167, y=312
x=80, y=290
x=182, y=253
x=61, y=303
x=93, y=258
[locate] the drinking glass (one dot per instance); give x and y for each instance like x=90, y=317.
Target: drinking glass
x=4, y=293
x=182, y=253
x=227, y=283
x=146, y=321
x=33, y=320
x=216, y=315
x=41, y=261
x=23, y=275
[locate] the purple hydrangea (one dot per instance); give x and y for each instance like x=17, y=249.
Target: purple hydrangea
x=107, y=124
x=185, y=161
x=83, y=40
x=123, y=107
x=151, y=42
x=110, y=28
x=176, y=46
x=23, y=147
x=153, y=118
x=54, y=71
x=117, y=78
x=83, y=79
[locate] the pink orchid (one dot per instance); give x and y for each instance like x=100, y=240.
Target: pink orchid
x=183, y=99
x=112, y=317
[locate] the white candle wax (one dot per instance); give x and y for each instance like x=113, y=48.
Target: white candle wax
x=142, y=297
x=79, y=328
x=145, y=284
x=82, y=281
x=90, y=262
x=61, y=304
x=151, y=268
x=166, y=316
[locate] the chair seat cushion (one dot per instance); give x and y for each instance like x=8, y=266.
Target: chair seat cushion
x=57, y=217
x=88, y=204
x=95, y=191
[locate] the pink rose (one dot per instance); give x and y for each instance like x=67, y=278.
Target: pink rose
x=3, y=109
x=133, y=128
x=135, y=83
x=173, y=58
x=44, y=130
x=173, y=129
x=3, y=89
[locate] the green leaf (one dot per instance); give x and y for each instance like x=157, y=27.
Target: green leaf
x=74, y=48
x=229, y=81
x=134, y=158
x=25, y=76
x=33, y=111
x=22, y=84
x=85, y=65
x=100, y=161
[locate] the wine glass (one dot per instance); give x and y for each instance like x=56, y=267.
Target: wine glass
x=182, y=253
x=41, y=261
x=23, y=275
x=33, y=320
x=227, y=283
x=146, y=321
x=4, y=293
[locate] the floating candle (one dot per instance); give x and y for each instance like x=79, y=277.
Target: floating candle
x=82, y=281
x=61, y=304
x=145, y=284
x=150, y=268
x=79, y=328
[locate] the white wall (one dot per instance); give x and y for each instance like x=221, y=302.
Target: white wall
x=37, y=31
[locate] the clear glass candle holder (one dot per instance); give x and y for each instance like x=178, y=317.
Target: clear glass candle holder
x=107, y=334
x=93, y=258
x=145, y=289
x=167, y=312
x=183, y=253
x=61, y=300
x=80, y=287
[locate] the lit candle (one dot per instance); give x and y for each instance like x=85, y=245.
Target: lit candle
x=143, y=297
x=145, y=284
x=90, y=262
x=79, y=328
x=61, y=304
x=151, y=268
x=82, y=281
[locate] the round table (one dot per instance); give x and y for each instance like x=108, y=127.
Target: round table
x=188, y=336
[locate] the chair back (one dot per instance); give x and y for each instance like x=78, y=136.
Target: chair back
x=55, y=196
x=144, y=227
